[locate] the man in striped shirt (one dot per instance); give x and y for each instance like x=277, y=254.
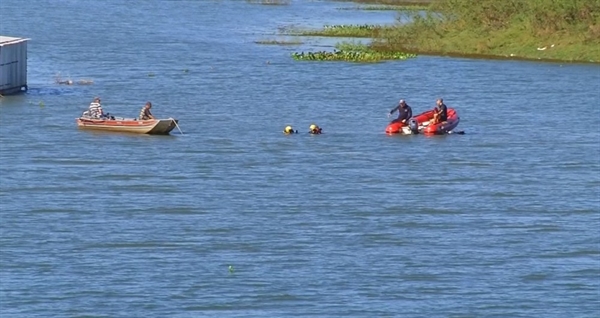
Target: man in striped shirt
x=145, y=113
x=96, y=109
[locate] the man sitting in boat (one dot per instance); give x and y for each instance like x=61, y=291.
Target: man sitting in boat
x=440, y=112
x=314, y=129
x=145, y=113
x=404, y=112
x=95, y=110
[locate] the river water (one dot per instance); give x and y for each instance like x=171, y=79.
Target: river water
x=502, y=221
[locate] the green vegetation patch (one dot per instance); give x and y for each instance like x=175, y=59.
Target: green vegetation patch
x=422, y=3
x=387, y=8
x=566, y=30
x=346, y=30
x=351, y=52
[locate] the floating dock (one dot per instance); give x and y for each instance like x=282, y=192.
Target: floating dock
x=13, y=65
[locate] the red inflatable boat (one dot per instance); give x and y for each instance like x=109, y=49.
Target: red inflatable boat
x=424, y=125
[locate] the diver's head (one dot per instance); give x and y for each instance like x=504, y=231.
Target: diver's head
x=314, y=129
x=288, y=130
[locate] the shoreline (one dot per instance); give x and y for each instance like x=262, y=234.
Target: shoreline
x=500, y=44
x=477, y=56
x=383, y=47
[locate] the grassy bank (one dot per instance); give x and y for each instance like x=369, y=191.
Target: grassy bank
x=392, y=2
x=345, y=30
x=551, y=30
x=388, y=5
x=565, y=30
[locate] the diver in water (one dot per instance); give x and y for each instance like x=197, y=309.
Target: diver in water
x=289, y=130
x=315, y=130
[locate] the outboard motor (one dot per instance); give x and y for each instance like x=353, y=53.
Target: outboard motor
x=413, y=124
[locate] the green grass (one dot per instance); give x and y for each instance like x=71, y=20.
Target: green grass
x=387, y=8
x=353, y=46
x=279, y=42
x=569, y=30
x=344, y=30
x=553, y=30
x=422, y=3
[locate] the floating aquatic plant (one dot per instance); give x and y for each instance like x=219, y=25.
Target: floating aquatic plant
x=351, y=56
x=352, y=52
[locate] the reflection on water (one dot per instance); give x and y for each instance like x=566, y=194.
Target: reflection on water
x=501, y=221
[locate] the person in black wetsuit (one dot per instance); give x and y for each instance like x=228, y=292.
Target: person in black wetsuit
x=404, y=112
x=440, y=112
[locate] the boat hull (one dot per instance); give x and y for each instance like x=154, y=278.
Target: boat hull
x=425, y=127
x=152, y=126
